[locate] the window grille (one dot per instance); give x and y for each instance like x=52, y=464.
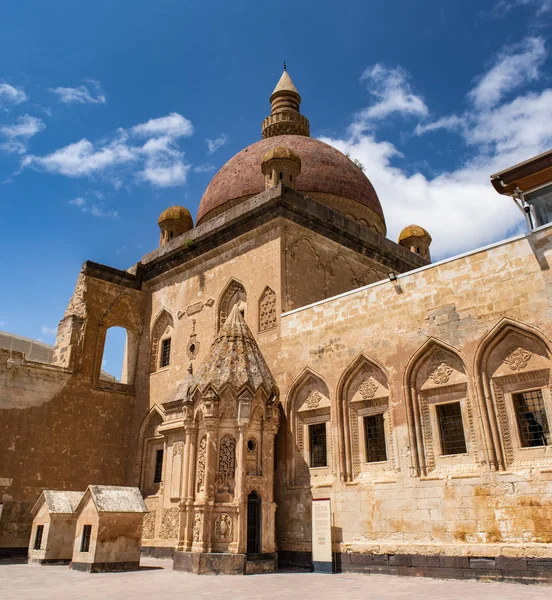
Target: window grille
x=166, y=353
x=317, y=445
x=158, y=467
x=85, y=542
x=451, y=428
x=38, y=537
x=531, y=419
x=374, y=433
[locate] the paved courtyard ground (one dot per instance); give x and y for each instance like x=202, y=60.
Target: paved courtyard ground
x=160, y=582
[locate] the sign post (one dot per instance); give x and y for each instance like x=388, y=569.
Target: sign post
x=322, y=535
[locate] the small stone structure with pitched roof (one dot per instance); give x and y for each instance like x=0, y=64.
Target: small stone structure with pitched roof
x=109, y=529
x=53, y=531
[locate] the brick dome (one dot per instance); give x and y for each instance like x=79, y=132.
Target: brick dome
x=327, y=175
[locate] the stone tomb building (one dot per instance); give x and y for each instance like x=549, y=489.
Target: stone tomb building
x=54, y=524
x=283, y=350
x=108, y=534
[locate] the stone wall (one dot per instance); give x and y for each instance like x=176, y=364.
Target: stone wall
x=475, y=330
x=61, y=426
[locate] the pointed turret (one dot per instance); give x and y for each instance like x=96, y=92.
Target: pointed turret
x=234, y=360
x=285, y=118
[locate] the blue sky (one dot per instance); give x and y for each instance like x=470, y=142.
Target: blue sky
x=111, y=111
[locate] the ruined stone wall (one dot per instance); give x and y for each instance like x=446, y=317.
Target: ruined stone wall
x=61, y=426
x=473, y=330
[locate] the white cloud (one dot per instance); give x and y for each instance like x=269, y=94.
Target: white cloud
x=11, y=95
x=20, y=132
x=450, y=123
x=157, y=160
x=513, y=68
x=173, y=126
x=164, y=165
x=541, y=6
x=205, y=168
x=93, y=208
x=214, y=145
x=458, y=207
x=81, y=94
x=3, y=324
x=82, y=158
x=48, y=331
x=393, y=94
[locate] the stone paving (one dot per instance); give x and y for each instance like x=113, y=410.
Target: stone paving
x=157, y=580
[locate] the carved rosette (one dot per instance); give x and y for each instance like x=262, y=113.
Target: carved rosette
x=368, y=389
x=313, y=399
x=223, y=528
x=518, y=359
x=198, y=527
x=441, y=373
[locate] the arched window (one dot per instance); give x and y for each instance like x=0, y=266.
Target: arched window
x=153, y=454
x=516, y=382
x=114, y=352
x=161, y=341
x=310, y=443
x=443, y=432
x=366, y=441
x=123, y=315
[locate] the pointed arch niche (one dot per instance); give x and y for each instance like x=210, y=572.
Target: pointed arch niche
x=365, y=425
x=234, y=293
x=440, y=410
x=310, y=446
x=514, y=362
x=152, y=451
x=161, y=341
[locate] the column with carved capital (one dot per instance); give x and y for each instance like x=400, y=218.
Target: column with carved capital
x=187, y=502
x=244, y=415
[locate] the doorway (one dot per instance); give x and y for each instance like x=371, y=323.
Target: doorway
x=253, y=523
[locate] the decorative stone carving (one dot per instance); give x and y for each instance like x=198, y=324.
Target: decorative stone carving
x=148, y=528
x=223, y=528
x=518, y=359
x=195, y=308
x=234, y=294
x=228, y=410
x=313, y=399
x=368, y=389
x=198, y=527
x=201, y=455
x=169, y=524
x=178, y=449
x=193, y=347
x=441, y=373
x=227, y=461
x=267, y=310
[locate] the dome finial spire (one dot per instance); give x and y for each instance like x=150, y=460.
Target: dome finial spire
x=285, y=118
